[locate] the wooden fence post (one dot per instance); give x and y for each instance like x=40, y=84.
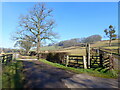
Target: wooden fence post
x=67, y=60
x=111, y=62
x=97, y=52
x=101, y=54
x=64, y=59
x=3, y=58
x=101, y=60
x=84, y=61
x=88, y=55
x=11, y=57
x=118, y=50
x=7, y=59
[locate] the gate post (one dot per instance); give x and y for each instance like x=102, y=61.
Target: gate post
x=84, y=62
x=101, y=60
x=118, y=51
x=67, y=60
x=88, y=55
x=101, y=54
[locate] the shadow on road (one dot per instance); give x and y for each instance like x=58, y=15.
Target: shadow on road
x=40, y=75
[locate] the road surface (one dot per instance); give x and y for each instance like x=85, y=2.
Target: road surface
x=41, y=75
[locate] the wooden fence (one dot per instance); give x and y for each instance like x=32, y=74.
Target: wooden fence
x=95, y=61
x=95, y=57
x=103, y=59
x=76, y=61
x=6, y=58
x=112, y=51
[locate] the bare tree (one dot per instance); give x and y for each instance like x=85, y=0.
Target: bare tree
x=25, y=44
x=39, y=24
x=110, y=33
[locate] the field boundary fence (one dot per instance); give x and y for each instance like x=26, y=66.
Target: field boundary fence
x=105, y=59
x=75, y=61
x=5, y=59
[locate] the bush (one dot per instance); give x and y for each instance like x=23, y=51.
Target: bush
x=32, y=53
x=50, y=57
x=56, y=57
x=43, y=55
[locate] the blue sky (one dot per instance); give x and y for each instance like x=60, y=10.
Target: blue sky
x=74, y=20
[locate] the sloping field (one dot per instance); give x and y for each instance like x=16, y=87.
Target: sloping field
x=50, y=48
x=105, y=43
x=82, y=50
x=77, y=50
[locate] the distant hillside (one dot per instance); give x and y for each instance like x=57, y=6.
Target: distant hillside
x=77, y=41
x=82, y=50
x=105, y=43
x=50, y=48
x=78, y=50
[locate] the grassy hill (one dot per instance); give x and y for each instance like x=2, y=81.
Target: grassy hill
x=50, y=48
x=77, y=50
x=81, y=50
x=105, y=43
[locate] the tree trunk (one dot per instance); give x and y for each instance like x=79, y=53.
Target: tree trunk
x=38, y=47
x=110, y=42
x=27, y=52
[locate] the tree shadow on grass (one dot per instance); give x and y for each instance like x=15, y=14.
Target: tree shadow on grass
x=12, y=76
x=17, y=78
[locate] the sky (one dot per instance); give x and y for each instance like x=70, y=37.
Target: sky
x=73, y=19
x=60, y=0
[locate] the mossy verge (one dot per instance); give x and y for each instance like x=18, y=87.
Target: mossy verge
x=12, y=76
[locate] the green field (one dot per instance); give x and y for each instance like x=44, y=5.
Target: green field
x=82, y=50
x=50, y=48
x=105, y=43
x=77, y=50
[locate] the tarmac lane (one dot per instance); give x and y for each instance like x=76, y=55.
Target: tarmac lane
x=41, y=75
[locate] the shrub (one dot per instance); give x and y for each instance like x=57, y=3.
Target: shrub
x=32, y=53
x=56, y=57
x=43, y=55
x=50, y=57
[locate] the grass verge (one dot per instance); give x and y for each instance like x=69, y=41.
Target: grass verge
x=93, y=72
x=12, y=76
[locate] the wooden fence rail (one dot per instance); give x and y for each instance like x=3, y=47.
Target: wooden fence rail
x=112, y=51
x=6, y=58
x=106, y=59
x=76, y=61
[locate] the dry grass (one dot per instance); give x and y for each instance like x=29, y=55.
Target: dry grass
x=113, y=47
x=82, y=50
x=105, y=43
x=77, y=51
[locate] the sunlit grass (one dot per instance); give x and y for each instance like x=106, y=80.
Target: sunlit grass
x=112, y=47
x=82, y=50
x=78, y=51
x=50, y=48
x=105, y=43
